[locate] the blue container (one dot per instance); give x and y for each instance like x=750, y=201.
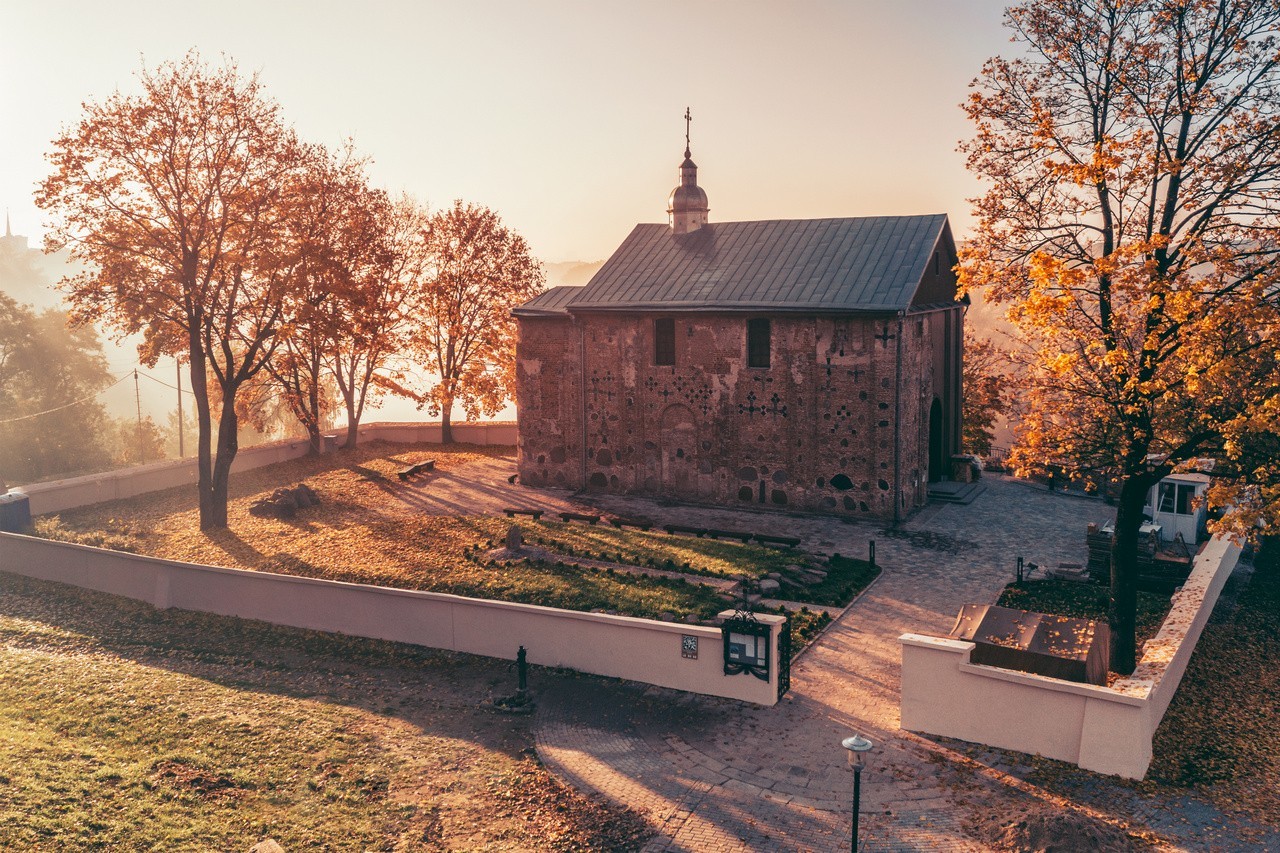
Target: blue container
x=15, y=513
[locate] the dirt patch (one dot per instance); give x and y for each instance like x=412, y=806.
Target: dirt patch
x=191, y=779
x=1038, y=830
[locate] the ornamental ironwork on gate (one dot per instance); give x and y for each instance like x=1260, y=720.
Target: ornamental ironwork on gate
x=784, y=658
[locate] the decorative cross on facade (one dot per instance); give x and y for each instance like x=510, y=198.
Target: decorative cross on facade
x=750, y=410
x=776, y=408
x=884, y=337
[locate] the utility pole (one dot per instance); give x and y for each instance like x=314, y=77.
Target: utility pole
x=137, y=399
x=178, y=367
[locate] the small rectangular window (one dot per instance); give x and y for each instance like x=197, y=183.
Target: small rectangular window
x=758, y=342
x=664, y=341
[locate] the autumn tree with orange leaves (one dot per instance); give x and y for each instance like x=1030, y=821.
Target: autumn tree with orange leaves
x=1131, y=226
x=475, y=271
x=987, y=392
x=181, y=201
x=374, y=307
x=335, y=226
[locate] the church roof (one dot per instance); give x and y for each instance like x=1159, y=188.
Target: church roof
x=864, y=264
x=550, y=302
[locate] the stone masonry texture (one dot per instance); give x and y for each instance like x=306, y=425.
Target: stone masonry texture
x=815, y=430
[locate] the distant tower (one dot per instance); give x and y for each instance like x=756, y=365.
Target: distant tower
x=687, y=204
x=9, y=241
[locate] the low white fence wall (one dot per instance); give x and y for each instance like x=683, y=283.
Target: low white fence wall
x=429, y=433
x=59, y=495
x=1104, y=729
x=619, y=646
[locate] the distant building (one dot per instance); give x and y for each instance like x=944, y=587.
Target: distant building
x=10, y=241
x=798, y=364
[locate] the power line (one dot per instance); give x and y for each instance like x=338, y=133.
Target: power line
x=165, y=384
x=66, y=406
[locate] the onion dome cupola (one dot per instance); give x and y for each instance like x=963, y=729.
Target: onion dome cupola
x=687, y=204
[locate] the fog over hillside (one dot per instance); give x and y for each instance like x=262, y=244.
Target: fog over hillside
x=576, y=273
x=30, y=277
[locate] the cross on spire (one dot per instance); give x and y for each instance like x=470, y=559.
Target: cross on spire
x=688, y=119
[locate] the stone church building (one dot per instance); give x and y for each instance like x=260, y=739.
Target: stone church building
x=800, y=364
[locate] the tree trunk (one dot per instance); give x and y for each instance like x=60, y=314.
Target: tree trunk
x=446, y=423
x=314, y=443
x=204, y=432
x=215, y=518
x=1123, y=611
x=352, y=428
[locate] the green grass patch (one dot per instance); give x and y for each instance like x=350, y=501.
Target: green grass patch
x=678, y=553
x=1083, y=601
x=806, y=625
x=846, y=577
x=575, y=587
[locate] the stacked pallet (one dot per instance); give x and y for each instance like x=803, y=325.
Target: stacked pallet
x=1160, y=568
x=1099, y=543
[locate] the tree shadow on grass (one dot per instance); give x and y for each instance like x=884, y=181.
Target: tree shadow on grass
x=240, y=551
x=438, y=694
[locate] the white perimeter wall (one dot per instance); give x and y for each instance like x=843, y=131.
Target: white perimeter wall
x=59, y=495
x=619, y=646
x=1104, y=729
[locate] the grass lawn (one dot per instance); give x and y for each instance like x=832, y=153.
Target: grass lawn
x=123, y=727
x=371, y=528
x=1084, y=601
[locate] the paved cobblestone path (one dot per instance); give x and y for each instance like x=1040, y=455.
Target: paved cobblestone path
x=719, y=776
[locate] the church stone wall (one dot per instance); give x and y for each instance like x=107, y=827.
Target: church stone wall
x=548, y=398
x=814, y=431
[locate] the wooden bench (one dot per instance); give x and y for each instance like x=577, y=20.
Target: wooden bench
x=784, y=541
x=744, y=538
x=577, y=516
x=418, y=468
x=535, y=514
x=680, y=528
x=628, y=522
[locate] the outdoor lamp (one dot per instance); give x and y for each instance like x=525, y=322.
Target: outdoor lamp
x=858, y=746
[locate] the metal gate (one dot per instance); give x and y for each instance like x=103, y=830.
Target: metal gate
x=784, y=658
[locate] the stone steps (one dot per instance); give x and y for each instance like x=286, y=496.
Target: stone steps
x=955, y=493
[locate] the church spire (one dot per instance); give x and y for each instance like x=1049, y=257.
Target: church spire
x=687, y=205
x=8, y=232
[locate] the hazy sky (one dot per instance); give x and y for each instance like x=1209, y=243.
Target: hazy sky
x=563, y=116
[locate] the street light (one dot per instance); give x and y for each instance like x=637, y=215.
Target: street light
x=857, y=746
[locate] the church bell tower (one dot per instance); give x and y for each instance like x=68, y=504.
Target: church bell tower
x=687, y=204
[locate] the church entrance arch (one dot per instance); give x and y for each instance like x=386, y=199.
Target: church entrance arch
x=937, y=446
x=677, y=447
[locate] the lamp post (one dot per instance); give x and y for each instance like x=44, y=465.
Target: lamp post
x=857, y=746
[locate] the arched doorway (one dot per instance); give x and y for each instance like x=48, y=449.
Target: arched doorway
x=938, y=469
x=677, y=445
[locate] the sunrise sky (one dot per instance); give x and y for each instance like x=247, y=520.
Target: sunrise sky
x=563, y=116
